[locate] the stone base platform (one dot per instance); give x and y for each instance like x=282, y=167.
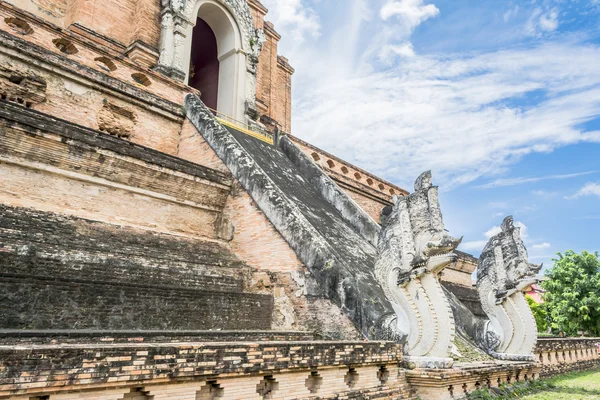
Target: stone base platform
x=234, y=370
x=560, y=355
x=457, y=382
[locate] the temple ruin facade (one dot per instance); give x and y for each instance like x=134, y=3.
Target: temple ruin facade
x=166, y=234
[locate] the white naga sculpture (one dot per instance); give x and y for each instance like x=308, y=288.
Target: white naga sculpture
x=413, y=248
x=503, y=273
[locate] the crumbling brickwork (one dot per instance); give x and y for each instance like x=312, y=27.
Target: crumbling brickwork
x=181, y=370
x=560, y=355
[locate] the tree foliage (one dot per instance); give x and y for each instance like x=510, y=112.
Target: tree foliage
x=539, y=313
x=572, y=295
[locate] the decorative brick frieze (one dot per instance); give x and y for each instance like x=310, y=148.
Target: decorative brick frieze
x=559, y=355
x=44, y=369
x=39, y=48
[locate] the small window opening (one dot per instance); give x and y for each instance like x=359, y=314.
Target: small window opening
x=211, y=391
x=18, y=25
x=267, y=387
x=105, y=63
x=65, y=46
x=313, y=382
x=383, y=374
x=141, y=79
x=351, y=378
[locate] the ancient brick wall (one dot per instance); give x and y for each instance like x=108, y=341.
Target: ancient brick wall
x=107, y=336
x=148, y=254
x=51, y=10
x=129, y=31
x=55, y=166
x=273, y=75
x=560, y=355
x=90, y=84
x=113, y=19
x=119, y=22
x=62, y=272
x=465, y=378
x=290, y=370
x=457, y=277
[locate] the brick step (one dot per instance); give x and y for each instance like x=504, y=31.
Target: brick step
x=117, y=271
x=63, y=272
x=63, y=304
x=37, y=227
x=45, y=245
x=87, y=336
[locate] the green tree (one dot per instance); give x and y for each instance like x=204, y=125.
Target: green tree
x=539, y=313
x=572, y=295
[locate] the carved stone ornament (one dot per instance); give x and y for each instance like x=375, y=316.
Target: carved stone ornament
x=413, y=249
x=503, y=274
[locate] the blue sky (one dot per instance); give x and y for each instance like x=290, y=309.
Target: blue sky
x=500, y=99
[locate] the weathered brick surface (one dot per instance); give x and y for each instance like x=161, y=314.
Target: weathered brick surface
x=137, y=23
x=31, y=368
x=56, y=166
x=193, y=147
x=87, y=336
x=274, y=74
x=62, y=272
x=560, y=355
x=39, y=46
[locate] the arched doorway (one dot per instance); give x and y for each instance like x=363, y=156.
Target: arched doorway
x=204, y=64
x=216, y=25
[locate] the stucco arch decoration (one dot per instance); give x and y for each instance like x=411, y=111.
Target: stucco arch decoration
x=178, y=17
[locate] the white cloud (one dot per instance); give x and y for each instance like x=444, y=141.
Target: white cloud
x=589, y=189
x=540, y=246
x=522, y=180
x=403, y=17
x=451, y=114
x=409, y=12
x=493, y=231
x=478, y=245
x=540, y=22
x=589, y=216
x=549, y=20
x=403, y=50
x=293, y=18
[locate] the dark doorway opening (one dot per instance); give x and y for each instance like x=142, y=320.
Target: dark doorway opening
x=204, y=64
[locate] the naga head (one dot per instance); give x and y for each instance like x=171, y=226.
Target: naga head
x=434, y=247
x=425, y=246
x=504, y=260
